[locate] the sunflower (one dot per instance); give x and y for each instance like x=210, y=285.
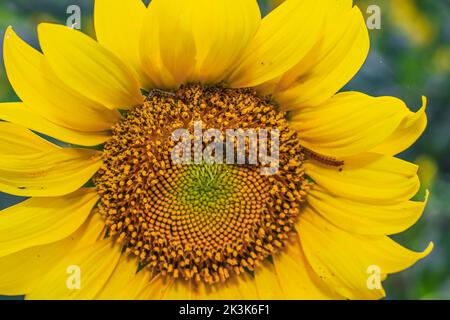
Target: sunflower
x=104, y=197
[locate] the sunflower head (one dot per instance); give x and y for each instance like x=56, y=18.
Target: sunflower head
x=306, y=216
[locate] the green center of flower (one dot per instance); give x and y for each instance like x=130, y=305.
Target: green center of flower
x=200, y=220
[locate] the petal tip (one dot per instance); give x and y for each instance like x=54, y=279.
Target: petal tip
x=424, y=101
x=9, y=31
x=45, y=27
x=427, y=194
x=423, y=108
x=428, y=250
x=10, y=34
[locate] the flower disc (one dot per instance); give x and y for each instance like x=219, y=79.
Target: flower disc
x=207, y=220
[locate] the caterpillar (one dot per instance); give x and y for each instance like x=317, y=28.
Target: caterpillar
x=329, y=161
x=158, y=92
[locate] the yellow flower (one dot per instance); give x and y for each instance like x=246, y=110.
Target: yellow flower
x=146, y=228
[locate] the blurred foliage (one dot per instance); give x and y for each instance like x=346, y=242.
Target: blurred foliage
x=410, y=57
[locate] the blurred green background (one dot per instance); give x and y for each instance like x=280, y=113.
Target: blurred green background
x=409, y=57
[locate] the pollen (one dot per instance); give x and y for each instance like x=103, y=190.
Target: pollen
x=199, y=221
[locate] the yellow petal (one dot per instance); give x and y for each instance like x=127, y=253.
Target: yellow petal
x=237, y=287
x=369, y=178
x=268, y=283
x=155, y=289
x=231, y=25
x=118, y=27
x=350, y=264
x=332, y=62
x=39, y=221
x=178, y=55
x=125, y=282
x=286, y=35
x=52, y=172
x=20, y=114
x=18, y=140
x=150, y=52
x=196, y=40
x=168, y=47
x=45, y=94
x=87, y=67
x=290, y=276
x=20, y=271
x=160, y=287
x=363, y=218
x=411, y=128
x=96, y=263
x=349, y=123
x=272, y=4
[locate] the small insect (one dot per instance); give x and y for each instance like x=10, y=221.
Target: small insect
x=328, y=161
x=161, y=93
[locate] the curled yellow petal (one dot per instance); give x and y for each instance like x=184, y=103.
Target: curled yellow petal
x=409, y=130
